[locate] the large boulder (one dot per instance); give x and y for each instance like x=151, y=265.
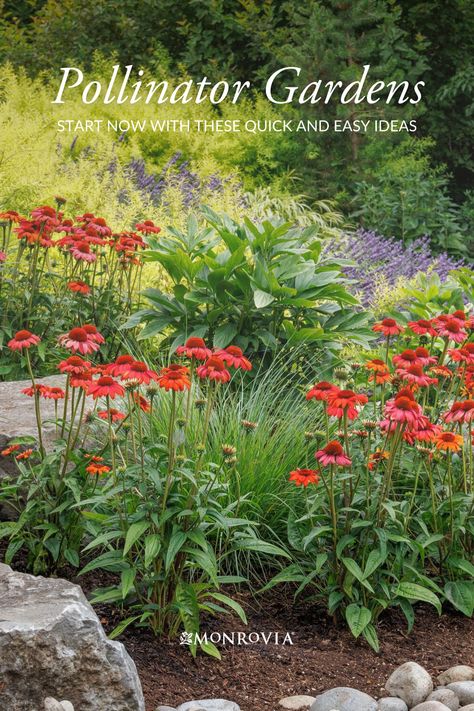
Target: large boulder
x=53, y=645
x=411, y=683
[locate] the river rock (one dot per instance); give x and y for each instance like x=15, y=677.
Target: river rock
x=51, y=704
x=411, y=683
x=52, y=644
x=344, y=698
x=209, y=705
x=297, y=703
x=464, y=690
x=392, y=703
x=446, y=697
x=165, y=708
x=461, y=672
x=469, y=707
x=430, y=706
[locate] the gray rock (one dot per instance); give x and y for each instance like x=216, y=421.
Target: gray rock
x=430, y=706
x=411, y=683
x=469, y=707
x=209, y=705
x=464, y=690
x=461, y=672
x=446, y=697
x=392, y=703
x=51, y=704
x=51, y=642
x=165, y=708
x=67, y=706
x=344, y=698
x=297, y=703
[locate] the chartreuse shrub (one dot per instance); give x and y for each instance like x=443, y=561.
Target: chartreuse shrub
x=259, y=285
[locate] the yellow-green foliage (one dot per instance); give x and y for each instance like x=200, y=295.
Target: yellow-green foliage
x=37, y=161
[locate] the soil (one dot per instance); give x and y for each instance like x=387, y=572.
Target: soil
x=321, y=657
x=256, y=676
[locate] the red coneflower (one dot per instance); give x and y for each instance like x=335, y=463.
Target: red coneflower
x=10, y=450
x=405, y=359
x=82, y=252
x=3, y=257
x=82, y=380
x=175, y=377
x=24, y=455
x=147, y=227
x=424, y=431
x=52, y=393
x=381, y=371
x=449, y=442
x=74, y=364
x=96, y=469
x=461, y=412
x=93, y=334
x=120, y=365
x=195, y=348
x=233, y=356
x=414, y=375
x=139, y=371
x=115, y=415
x=23, y=339
x=10, y=216
x=78, y=340
x=333, y=453
x=303, y=477
x=422, y=327
x=388, y=326
x=344, y=402
x=424, y=356
x=105, y=386
x=321, y=391
x=403, y=408
x=214, y=369
x=451, y=328
x=78, y=287
x=30, y=391
x=465, y=354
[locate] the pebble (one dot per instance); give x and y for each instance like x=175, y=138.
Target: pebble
x=411, y=682
x=461, y=672
x=392, y=703
x=464, y=690
x=165, y=708
x=344, y=698
x=209, y=705
x=446, y=697
x=430, y=706
x=297, y=703
x=469, y=707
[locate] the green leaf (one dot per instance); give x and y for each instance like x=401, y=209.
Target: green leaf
x=127, y=579
x=176, y=542
x=291, y=574
x=232, y=604
x=72, y=557
x=413, y=591
x=407, y=609
x=371, y=637
x=461, y=595
x=262, y=298
x=123, y=626
x=357, y=618
x=254, y=544
x=152, y=548
x=374, y=560
x=210, y=649
x=136, y=530
x=224, y=335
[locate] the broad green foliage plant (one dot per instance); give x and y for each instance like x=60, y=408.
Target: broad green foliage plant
x=258, y=285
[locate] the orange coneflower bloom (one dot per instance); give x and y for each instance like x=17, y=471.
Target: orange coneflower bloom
x=174, y=377
x=24, y=455
x=78, y=287
x=405, y=359
x=377, y=457
x=74, y=364
x=344, y=402
x=449, y=441
x=388, y=326
x=97, y=469
x=465, y=354
x=414, y=374
x=303, y=477
x=147, y=227
x=9, y=450
x=115, y=415
x=142, y=402
x=52, y=393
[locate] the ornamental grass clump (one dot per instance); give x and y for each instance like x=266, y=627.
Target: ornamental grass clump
x=387, y=515
x=153, y=512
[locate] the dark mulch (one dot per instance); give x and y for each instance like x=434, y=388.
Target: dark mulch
x=322, y=656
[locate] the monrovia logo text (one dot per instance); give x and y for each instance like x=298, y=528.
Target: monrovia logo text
x=236, y=638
